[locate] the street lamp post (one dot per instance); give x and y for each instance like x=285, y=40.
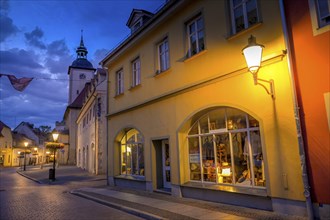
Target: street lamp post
x=19, y=160
x=25, y=144
x=52, y=171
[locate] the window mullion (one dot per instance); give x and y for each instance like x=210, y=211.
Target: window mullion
x=246, y=22
x=233, y=23
x=232, y=158
x=196, y=36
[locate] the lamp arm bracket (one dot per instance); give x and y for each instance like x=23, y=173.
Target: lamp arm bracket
x=269, y=91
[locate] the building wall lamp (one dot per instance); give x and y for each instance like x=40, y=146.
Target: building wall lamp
x=253, y=53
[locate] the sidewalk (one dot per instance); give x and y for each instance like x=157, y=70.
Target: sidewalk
x=148, y=205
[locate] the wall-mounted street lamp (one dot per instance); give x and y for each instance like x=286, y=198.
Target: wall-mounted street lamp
x=25, y=144
x=253, y=53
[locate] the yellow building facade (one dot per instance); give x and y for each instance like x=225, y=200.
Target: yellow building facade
x=184, y=115
x=6, y=145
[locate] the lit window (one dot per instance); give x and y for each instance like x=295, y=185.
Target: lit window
x=244, y=14
x=136, y=72
x=119, y=82
x=132, y=158
x=225, y=148
x=163, y=56
x=195, y=30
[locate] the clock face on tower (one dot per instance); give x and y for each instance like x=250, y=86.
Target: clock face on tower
x=82, y=76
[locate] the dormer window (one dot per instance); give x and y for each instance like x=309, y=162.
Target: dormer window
x=138, y=18
x=136, y=26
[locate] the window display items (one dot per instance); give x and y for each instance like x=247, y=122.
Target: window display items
x=228, y=155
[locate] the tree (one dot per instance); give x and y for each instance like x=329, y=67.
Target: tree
x=45, y=129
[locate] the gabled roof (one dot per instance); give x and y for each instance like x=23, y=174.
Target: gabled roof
x=26, y=124
x=3, y=125
x=78, y=102
x=166, y=10
x=137, y=14
x=101, y=71
x=18, y=140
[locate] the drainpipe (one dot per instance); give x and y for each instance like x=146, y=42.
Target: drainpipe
x=307, y=194
x=106, y=121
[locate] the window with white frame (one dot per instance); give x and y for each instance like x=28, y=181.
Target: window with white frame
x=119, y=82
x=132, y=153
x=225, y=147
x=196, y=38
x=136, y=72
x=244, y=14
x=320, y=16
x=163, y=56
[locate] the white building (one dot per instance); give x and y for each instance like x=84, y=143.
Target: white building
x=80, y=72
x=91, y=122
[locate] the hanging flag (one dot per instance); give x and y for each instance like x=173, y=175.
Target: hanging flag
x=19, y=84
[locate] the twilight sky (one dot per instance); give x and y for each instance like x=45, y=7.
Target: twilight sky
x=38, y=39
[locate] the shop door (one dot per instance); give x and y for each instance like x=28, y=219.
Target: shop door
x=166, y=164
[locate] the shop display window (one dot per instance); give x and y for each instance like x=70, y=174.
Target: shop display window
x=132, y=155
x=231, y=153
x=194, y=159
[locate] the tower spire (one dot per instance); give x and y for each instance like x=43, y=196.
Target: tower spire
x=81, y=50
x=82, y=39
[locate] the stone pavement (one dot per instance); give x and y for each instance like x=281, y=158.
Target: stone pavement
x=148, y=205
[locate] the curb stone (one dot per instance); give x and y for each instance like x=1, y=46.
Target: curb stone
x=132, y=211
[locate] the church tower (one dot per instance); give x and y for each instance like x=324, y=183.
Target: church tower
x=80, y=72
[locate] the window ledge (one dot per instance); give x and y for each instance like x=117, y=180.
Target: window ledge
x=129, y=177
x=258, y=191
x=187, y=59
x=161, y=73
x=119, y=95
x=134, y=87
x=244, y=31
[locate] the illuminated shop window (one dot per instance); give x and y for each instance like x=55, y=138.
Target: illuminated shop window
x=244, y=14
x=225, y=148
x=131, y=154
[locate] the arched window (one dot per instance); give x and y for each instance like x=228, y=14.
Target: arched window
x=131, y=151
x=225, y=148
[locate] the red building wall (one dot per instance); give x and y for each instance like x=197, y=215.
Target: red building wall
x=311, y=65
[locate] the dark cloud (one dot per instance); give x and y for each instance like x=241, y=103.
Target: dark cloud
x=60, y=65
x=4, y=6
x=34, y=38
x=19, y=61
x=7, y=27
x=37, y=104
x=58, y=48
x=58, y=57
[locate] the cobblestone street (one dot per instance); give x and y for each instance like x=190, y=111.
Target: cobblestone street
x=22, y=198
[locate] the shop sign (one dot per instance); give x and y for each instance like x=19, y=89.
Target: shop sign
x=194, y=158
